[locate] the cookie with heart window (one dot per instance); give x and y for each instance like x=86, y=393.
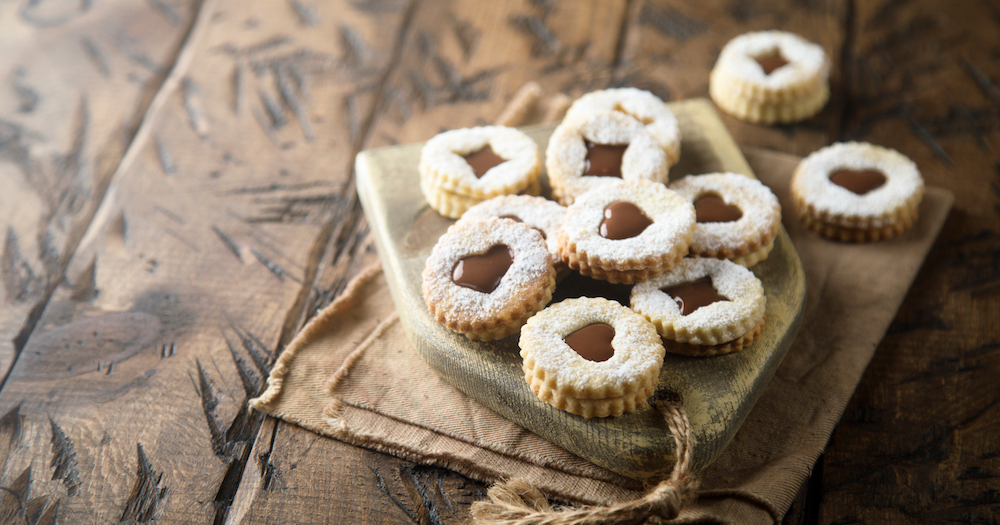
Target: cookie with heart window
x=737, y=217
x=463, y=167
x=591, y=357
x=601, y=148
x=703, y=306
x=857, y=192
x=627, y=231
x=641, y=105
x=485, y=278
x=768, y=77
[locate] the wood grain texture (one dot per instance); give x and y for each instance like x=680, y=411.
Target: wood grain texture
x=157, y=314
x=916, y=444
x=132, y=389
x=76, y=80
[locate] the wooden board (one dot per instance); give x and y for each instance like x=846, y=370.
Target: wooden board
x=717, y=393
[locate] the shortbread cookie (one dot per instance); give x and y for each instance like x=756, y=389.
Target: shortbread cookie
x=453, y=205
x=855, y=191
x=737, y=217
x=770, y=76
x=485, y=278
x=591, y=356
x=640, y=105
x=707, y=306
x=598, y=148
x=538, y=212
x=750, y=110
x=627, y=231
x=477, y=164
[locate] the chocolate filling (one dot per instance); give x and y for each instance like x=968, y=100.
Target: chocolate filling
x=593, y=342
x=482, y=160
x=604, y=160
x=483, y=272
x=623, y=220
x=711, y=208
x=860, y=182
x=771, y=62
x=692, y=296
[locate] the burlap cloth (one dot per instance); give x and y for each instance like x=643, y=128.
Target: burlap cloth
x=351, y=374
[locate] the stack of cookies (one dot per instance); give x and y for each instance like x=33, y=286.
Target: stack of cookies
x=463, y=167
x=769, y=77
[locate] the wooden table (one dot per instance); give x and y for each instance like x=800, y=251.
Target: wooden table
x=176, y=199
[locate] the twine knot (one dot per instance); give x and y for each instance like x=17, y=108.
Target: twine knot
x=517, y=502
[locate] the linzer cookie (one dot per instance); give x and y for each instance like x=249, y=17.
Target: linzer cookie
x=591, y=356
x=627, y=231
x=538, y=212
x=640, y=105
x=857, y=192
x=600, y=148
x=703, y=306
x=737, y=217
x=484, y=278
x=462, y=167
x=766, y=77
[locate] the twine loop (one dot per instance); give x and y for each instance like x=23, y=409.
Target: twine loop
x=517, y=502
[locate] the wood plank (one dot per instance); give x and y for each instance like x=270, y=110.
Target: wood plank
x=76, y=81
x=131, y=392
x=455, y=73
x=917, y=442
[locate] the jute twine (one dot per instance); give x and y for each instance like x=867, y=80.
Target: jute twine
x=517, y=502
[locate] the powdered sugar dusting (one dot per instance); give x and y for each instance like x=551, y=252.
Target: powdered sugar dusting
x=673, y=221
x=760, y=207
x=638, y=350
x=531, y=265
x=538, y=212
x=565, y=157
x=806, y=61
x=639, y=104
x=811, y=182
x=734, y=317
x=441, y=159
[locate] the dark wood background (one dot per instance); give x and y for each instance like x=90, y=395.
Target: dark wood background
x=176, y=199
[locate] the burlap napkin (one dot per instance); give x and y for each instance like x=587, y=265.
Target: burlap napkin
x=351, y=374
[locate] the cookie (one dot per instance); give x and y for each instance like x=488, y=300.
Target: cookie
x=485, y=278
x=591, y=356
x=703, y=306
x=462, y=167
x=627, y=231
x=640, y=105
x=453, y=205
x=769, y=77
x=599, y=148
x=737, y=217
x=857, y=192
x=538, y=212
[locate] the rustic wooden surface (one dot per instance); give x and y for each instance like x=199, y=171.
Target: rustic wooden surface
x=176, y=198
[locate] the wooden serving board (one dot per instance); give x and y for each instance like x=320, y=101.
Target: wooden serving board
x=717, y=392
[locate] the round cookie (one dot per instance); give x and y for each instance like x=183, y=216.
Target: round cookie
x=461, y=167
x=770, y=76
x=700, y=317
x=737, y=217
x=599, y=148
x=538, y=212
x=627, y=231
x=887, y=190
x=591, y=356
x=485, y=278
x=640, y=105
